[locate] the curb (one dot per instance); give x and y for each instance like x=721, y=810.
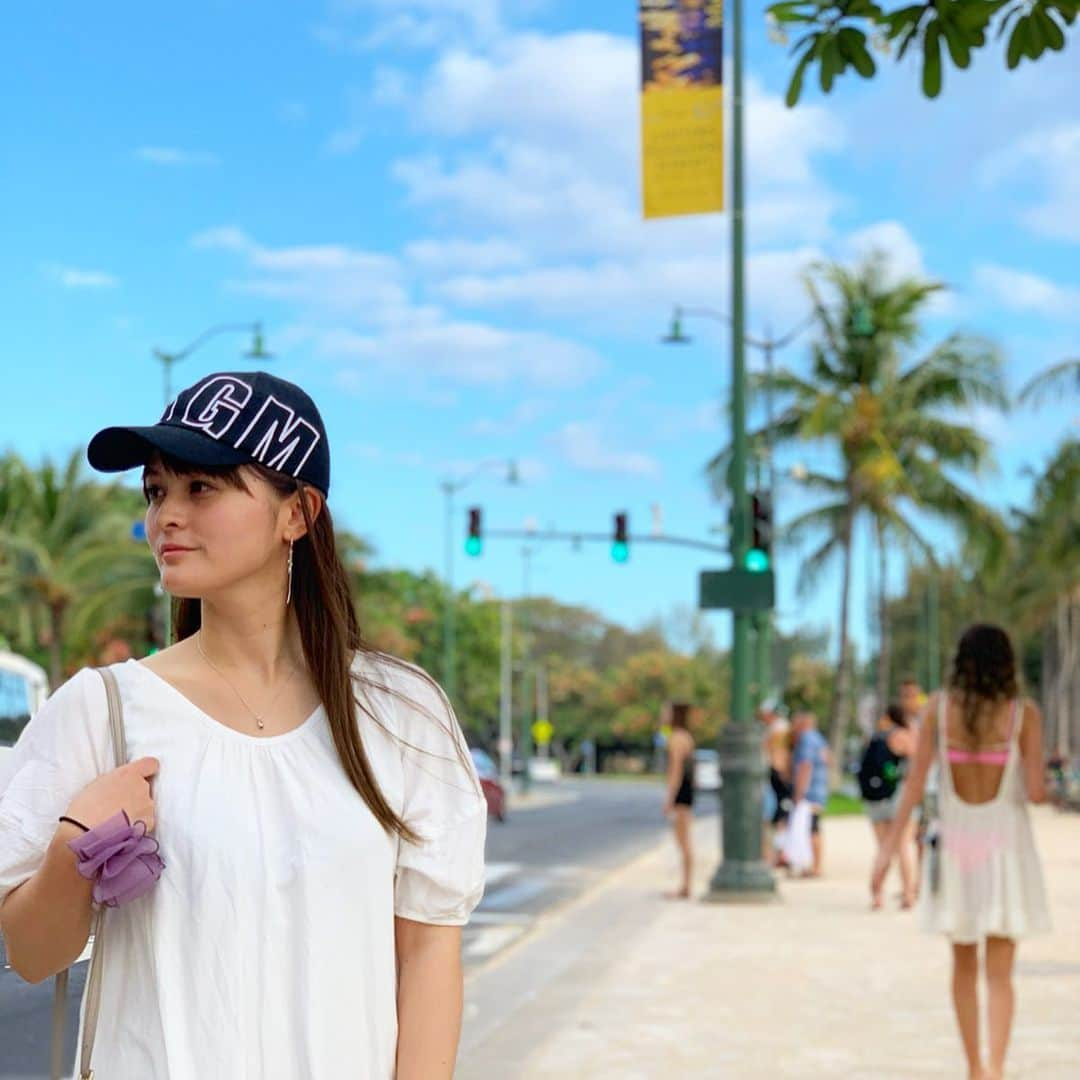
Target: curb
x=555, y=916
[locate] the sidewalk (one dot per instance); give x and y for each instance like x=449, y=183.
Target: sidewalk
x=623, y=984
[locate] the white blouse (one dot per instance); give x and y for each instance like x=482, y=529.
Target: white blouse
x=266, y=949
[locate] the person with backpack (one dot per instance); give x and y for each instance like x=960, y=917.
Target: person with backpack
x=880, y=783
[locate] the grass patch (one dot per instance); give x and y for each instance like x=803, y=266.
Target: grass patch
x=840, y=805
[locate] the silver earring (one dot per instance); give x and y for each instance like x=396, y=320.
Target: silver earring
x=288, y=595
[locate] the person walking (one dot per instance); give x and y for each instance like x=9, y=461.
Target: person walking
x=881, y=786
x=810, y=765
x=983, y=882
x=679, y=802
x=308, y=819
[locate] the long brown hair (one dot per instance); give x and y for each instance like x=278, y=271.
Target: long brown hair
x=984, y=672
x=329, y=632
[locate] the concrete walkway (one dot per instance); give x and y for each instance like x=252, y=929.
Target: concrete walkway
x=623, y=984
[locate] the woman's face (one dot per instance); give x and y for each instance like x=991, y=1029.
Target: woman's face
x=207, y=535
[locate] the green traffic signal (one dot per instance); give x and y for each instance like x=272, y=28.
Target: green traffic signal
x=620, y=552
x=757, y=561
x=474, y=546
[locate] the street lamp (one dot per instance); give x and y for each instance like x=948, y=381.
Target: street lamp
x=768, y=345
x=742, y=872
x=168, y=359
x=450, y=488
x=256, y=352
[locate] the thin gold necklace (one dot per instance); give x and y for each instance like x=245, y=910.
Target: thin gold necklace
x=258, y=719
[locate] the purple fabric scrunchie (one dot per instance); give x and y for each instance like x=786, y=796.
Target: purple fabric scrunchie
x=121, y=856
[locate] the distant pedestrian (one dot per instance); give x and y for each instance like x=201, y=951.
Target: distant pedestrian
x=777, y=802
x=810, y=764
x=983, y=881
x=679, y=804
x=881, y=774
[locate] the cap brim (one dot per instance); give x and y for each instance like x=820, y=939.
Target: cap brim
x=118, y=448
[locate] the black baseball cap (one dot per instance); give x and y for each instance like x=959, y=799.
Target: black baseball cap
x=231, y=418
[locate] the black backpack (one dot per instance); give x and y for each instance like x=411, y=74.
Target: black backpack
x=879, y=772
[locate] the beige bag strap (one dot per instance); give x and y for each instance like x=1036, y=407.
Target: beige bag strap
x=93, y=979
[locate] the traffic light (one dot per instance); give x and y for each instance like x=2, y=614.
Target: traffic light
x=759, y=557
x=474, y=543
x=620, y=542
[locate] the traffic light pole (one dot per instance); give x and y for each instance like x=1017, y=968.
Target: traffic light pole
x=742, y=874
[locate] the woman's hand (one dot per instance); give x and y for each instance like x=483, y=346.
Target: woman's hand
x=669, y=808
x=126, y=788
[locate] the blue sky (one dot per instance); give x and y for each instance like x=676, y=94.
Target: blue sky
x=432, y=205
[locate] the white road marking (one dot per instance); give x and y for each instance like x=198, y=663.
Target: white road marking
x=499, y=871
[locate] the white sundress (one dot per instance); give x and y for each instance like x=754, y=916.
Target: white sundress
x=989, y=880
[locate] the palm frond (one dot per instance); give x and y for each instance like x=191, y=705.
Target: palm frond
x=1063, y=378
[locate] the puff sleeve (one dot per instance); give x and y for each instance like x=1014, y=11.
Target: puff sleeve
x=441, y=879
x=63, y=748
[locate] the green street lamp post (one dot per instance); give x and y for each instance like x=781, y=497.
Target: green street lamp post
x=450, y=488
x=742, y=871
x=169, y=359
x=755, y=559
x=742, y=874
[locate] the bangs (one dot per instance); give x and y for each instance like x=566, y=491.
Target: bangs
x=175, y=466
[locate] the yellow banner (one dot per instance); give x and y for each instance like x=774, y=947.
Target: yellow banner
x=682, y=107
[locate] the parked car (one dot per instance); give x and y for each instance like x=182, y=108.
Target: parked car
x=494, y=792
x=707, y=770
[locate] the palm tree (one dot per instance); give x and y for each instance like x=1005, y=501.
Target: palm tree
x=67, y=560
x=890, y=426
x=1063, y=377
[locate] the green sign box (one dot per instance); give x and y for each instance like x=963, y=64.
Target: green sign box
x=737, y=590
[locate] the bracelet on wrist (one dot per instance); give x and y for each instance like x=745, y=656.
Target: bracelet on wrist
x=72, y=821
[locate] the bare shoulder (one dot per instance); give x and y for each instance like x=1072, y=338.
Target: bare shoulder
x=173, y=663
x=682, y=740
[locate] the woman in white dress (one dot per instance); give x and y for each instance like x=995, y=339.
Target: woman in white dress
x=319, y=818
x=982, y=878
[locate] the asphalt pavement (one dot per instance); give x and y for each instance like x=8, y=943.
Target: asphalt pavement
x=544, y=857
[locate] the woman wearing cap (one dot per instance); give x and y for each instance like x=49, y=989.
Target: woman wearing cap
x=319, y=825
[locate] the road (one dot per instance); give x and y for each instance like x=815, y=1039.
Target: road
x=540, y=857
x=546, y=856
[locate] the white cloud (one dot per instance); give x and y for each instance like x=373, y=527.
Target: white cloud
x=173, y=156
x=458, y=255
x=1046, y=165
x=523, y=414
x=1020, y=290
x=584, y=445
x=464, y=354
x=364, y=26
x=325, y=277
x=637, y=293
x=73, y=277
x=558, y=162
x=891, y=239
x=357, y=308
